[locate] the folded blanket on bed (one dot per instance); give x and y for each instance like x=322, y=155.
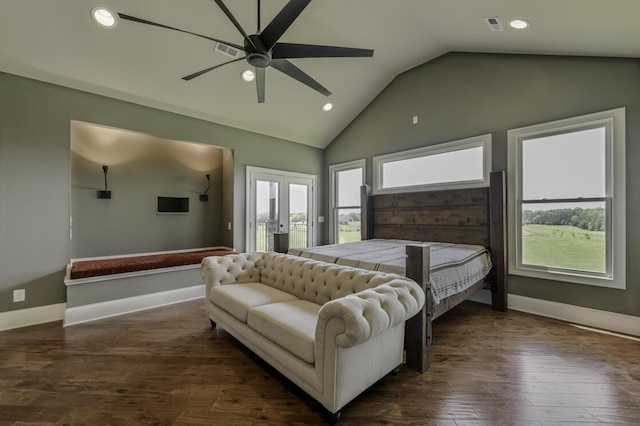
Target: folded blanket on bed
x=454, y=267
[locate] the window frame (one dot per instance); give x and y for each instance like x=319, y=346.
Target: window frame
x=483, y=141
x=613, y=122
x=334, y=169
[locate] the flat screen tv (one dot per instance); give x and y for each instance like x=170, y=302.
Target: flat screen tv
x=173, y=205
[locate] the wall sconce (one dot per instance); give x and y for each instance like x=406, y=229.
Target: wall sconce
x=106, y=194
x=204, y=196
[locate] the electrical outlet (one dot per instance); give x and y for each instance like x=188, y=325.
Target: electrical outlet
x=19, y=295
x=229, y=226
x=415, y=119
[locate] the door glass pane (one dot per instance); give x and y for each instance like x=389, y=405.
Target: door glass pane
x=565, y=235
x=267, y=219
x=298, y=215
x=568, y=165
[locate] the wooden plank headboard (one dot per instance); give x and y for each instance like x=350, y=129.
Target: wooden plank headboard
x=461, y=216
x=454, y=216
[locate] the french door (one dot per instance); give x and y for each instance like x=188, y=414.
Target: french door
x=279, y=201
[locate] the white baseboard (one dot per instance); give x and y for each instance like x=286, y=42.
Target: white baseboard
x=31, y=316
x=620, y=323
x=112, y=308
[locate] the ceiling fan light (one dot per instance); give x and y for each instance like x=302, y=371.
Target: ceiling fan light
x=327, y=107
x=520, y=24
x=103, y=17
x=248, y=75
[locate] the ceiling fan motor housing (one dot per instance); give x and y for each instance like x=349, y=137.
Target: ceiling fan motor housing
x=257, y=54
x=264, y=50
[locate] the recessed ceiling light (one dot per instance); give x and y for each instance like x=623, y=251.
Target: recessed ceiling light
x=519, y=24
x=327, y=106
x=104, y=17
x=248, y=75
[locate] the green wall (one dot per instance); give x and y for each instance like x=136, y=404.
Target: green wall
x=35, y=175
x=459, y=95
x=455, y=96
x=141, y=168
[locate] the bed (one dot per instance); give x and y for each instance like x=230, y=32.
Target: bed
x=410, y=233
x=453, y=267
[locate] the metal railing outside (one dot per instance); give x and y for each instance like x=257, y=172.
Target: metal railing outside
x=265, y=231
x=298, y=235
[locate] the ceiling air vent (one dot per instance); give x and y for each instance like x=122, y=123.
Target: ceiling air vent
x=227, y=50
x=494, y=24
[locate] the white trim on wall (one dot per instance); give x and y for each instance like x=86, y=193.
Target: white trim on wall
x=481, y=141
x=283, y=177
x=31, y=316
x=613, y=121
x=333, y=193
x=112, y=308
x=611, y=321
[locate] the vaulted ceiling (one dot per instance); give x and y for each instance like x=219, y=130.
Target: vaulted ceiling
x=57, y=41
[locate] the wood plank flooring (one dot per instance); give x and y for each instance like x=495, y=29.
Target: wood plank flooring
x=167, y=367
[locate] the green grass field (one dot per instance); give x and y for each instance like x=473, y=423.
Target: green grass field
x=564, y=246
x=349, y=232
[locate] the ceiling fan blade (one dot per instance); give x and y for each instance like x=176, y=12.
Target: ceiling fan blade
x=206, y=70
x=260, y=74
x=234, y=21
x=155, y=24
x=293, y=50
x=292, y=71
x=282, y=22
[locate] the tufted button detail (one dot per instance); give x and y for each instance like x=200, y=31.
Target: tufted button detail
x=369, y=302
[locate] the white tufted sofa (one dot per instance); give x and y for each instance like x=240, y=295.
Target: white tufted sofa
x=332, y=330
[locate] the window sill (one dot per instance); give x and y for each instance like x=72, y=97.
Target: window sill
x=574, y=278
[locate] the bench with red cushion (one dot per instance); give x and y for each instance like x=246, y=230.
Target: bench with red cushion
x=121, y=265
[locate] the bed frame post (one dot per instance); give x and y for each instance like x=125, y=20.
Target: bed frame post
x=418, y=335
x=498, y=240
x=366, y=221
x=281, y=242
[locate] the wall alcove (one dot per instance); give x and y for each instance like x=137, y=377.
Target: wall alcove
x=141, y=168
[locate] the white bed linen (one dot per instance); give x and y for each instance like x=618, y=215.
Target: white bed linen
x=454, y=267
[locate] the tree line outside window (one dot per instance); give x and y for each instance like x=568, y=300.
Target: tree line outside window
x=587, y=219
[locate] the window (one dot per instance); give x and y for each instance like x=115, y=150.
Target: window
x=346, y=180
x=460, y=164
x=567, y=200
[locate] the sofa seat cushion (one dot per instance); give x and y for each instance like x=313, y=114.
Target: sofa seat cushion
x=292, y=325
x=238, y=299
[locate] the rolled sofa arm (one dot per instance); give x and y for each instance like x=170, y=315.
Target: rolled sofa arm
x=371, y=312
x=230, y=269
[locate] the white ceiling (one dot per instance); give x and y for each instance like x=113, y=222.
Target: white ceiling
x=57, y=41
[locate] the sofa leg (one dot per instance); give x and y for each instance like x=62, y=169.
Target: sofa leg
x=334, y=418
x=395, y=371
x=213, y=324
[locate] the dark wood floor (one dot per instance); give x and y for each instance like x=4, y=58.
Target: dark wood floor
x=168, y=367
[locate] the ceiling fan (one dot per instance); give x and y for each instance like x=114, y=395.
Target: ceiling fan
x=262, y=50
